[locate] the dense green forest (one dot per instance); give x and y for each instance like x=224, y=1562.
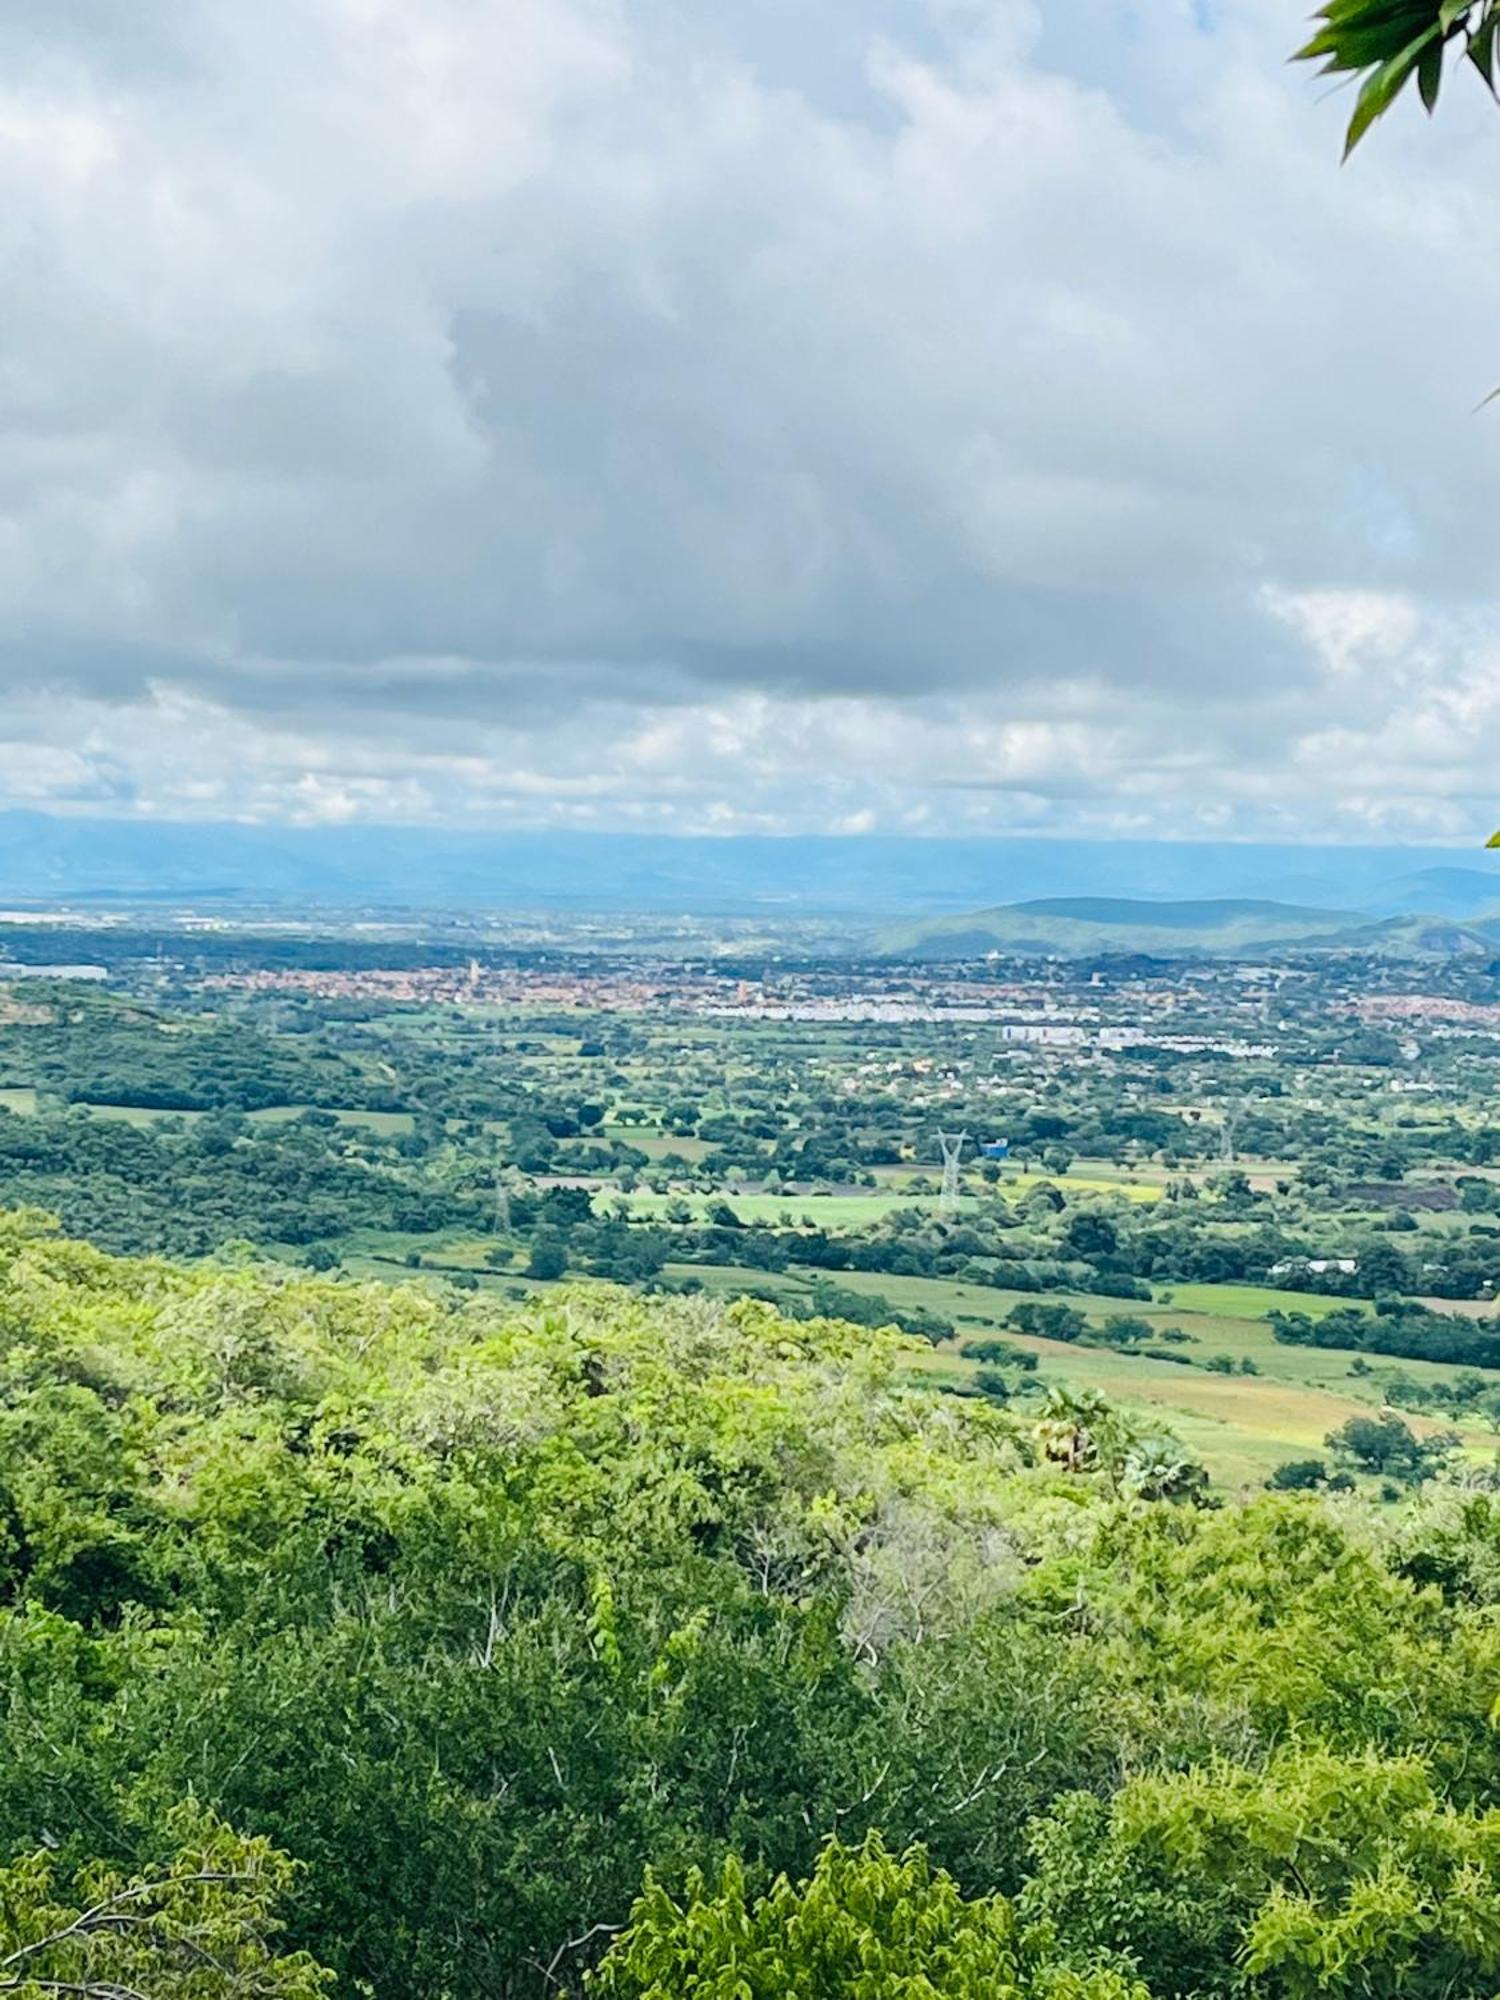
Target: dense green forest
x=83, y=1048
x=453, y=1646
x=191, y=1188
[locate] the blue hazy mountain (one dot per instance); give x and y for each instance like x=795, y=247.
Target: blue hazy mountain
x=48, y=860
x=1227, y=927
x=1447, y=892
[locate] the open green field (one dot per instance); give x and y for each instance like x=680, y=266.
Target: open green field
x=893, y=1190
x=1250, y=1301
x=135, y=1114
x=24, y=1103
x=1087, y=1177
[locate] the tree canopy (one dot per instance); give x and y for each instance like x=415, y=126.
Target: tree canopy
x=866, y=1925
x=407, y=1632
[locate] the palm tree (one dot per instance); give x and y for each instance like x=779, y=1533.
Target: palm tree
x=1069, y=1430
x=1158, y=1468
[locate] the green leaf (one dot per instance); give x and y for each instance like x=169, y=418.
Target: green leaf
x=1383, y=87
x=1430, y=75
x=1481, y=50
x=1493, y=841
x=1364, y=48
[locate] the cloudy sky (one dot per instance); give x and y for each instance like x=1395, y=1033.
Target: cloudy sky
x=699, y=415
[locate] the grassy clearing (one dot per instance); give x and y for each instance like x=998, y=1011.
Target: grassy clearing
x=893, y=1190
x=137, y=1114
x=1091, y=1181
x=24, y=1103
x=1250, y=1301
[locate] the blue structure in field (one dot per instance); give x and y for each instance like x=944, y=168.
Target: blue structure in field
x=995, y=1149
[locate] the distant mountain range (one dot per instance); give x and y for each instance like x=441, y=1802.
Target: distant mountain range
x=1443, y=892
x=1090, y=926
x=48, y=860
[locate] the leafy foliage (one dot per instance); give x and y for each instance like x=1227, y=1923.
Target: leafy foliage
x=200, y=1928
x=1389, y=42
x=481, y=1612
x=1317, y=1876
x=866, y=1925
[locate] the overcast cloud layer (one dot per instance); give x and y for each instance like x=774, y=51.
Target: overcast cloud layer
x=883, y=413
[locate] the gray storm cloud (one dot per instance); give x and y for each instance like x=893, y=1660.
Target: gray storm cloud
x=905, y=415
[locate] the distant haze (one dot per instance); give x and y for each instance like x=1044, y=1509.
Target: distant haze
x=44, y=860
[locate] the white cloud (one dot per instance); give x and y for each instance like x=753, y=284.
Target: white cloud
x=521, y=409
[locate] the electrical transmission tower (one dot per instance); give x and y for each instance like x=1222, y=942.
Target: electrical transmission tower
x=953, y=1144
